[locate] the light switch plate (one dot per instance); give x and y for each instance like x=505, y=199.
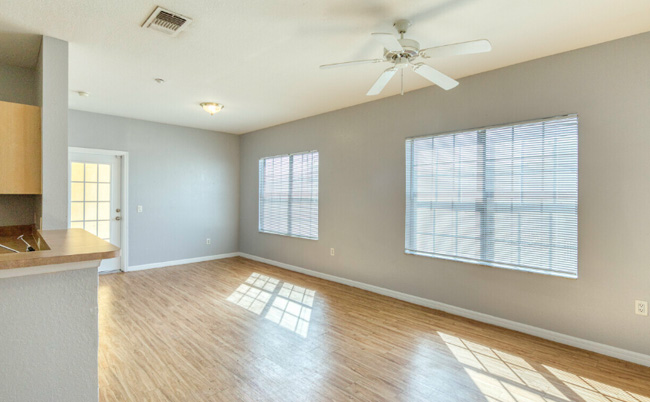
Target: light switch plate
x=139, y=208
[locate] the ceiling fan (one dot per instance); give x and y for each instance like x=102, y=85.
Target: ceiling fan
x=402, y=53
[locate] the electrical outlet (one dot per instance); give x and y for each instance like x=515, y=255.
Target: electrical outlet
x=208, y=241
x=332, y=251
x=641, y=307
x=139, y=208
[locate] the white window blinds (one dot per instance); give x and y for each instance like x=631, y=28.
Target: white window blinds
x=288, y=191
x=503, y=196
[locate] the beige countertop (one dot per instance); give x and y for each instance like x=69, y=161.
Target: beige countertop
x=65, y=246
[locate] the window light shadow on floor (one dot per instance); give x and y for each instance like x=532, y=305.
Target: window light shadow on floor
x=283, y=303
x=503, y=377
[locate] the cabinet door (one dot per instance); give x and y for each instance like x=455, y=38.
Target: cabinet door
x=20, y=149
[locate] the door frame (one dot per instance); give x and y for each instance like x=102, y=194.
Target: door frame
x=124, y=198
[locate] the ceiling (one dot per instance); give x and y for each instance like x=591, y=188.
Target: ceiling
x=260, y=58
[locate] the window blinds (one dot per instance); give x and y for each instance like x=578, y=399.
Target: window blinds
x=288, y=203
x=502, y=196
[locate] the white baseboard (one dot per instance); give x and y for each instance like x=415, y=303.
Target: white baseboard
x=623, y=354
x=180, y=262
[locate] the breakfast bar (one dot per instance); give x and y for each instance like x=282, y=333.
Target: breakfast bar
x=56, y=250
x=49, y=314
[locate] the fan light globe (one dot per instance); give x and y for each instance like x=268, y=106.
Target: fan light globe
x=212, y=107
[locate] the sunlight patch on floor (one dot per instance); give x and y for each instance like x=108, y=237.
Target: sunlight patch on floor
x=503, y=377
x=255, y=293
x=283, y=303
x=594, y=390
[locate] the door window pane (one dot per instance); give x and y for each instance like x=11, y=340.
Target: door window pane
x=91, y=226
x=103, y=211
x=91, y=192
x=90, y=183
x=77, y=211
x=77, y=171
x=91, y=172
x=104, y=192
x=77, y=192
x=90, y=211
x=104, y=229
x=104, y=174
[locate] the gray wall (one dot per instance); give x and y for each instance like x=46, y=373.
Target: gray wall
x=187, y=181
x=362, y=191
x=52, y=73
x=17, y=209
x=17, y=85
x=49, y=337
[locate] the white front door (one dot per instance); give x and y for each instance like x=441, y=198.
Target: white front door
x=95, y=199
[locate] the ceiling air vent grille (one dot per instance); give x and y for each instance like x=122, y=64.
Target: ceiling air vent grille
x=166, y=21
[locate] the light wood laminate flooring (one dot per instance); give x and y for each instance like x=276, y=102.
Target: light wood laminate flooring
x=236, y=329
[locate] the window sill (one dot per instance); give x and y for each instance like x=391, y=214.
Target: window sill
x=502, y=266
x=287, y=235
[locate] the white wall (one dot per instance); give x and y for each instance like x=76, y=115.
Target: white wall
x=52, y=94
x=49, y=337
x=186, y=179
x=362, y=191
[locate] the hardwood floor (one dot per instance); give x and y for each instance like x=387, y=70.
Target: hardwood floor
x=236, y=329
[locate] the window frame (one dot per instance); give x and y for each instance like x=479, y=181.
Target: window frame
x=261, y=184
x=409, y=201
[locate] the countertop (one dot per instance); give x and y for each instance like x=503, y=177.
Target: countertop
x=13, y=242
x=65, y=246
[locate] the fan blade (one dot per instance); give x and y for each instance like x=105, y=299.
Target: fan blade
x=351, y=63
x=389, y=41
x=381, y=82
x=435, y=76
x=475, y=46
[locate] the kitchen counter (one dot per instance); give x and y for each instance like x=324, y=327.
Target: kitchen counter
x=9, y=238
x=54, y=247
x=48, y=314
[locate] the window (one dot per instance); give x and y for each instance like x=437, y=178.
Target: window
x=90, y=198
x=289, y=195
x=502, y=196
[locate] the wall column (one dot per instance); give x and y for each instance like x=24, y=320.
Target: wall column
x=53, y=96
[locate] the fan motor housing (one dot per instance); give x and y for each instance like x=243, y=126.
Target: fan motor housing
x=411, y=50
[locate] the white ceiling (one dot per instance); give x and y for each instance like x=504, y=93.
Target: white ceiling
x=260, y=58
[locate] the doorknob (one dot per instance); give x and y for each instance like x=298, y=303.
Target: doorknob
x=118, y=218
x=118, y=210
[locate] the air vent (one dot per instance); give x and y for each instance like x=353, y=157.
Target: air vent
x=166, y=21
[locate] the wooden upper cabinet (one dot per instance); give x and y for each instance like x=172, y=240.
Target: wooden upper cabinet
x=20, y=149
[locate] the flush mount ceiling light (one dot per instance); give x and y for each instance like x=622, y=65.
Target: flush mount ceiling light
x=211, y=107
x=159, y=80
x=83, y=93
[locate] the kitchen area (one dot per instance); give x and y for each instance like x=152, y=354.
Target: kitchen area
x=48, y=273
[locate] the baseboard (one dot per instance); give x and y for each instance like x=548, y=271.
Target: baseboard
x=180, y=262
x=623, y=354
